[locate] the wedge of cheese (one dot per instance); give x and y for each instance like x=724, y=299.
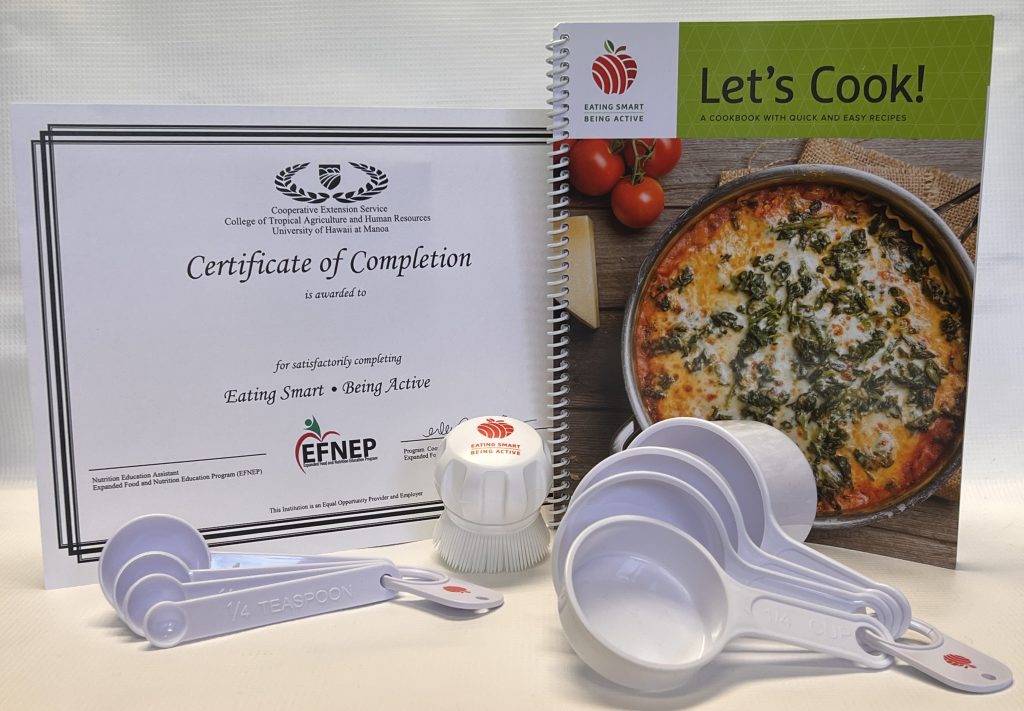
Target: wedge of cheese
x=583, y=302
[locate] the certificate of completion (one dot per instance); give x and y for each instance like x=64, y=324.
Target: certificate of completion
x=265, y=320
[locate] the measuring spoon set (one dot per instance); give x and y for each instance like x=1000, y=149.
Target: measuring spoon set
x=167, y=585
x=693, y=536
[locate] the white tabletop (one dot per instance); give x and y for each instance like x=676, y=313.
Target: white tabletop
x=67, y=649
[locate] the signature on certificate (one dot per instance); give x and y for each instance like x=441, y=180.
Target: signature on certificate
x=442, y=428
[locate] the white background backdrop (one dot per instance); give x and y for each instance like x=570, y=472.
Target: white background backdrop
x=478, y=54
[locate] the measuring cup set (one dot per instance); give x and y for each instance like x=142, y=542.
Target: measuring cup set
x=669, y=549
x=692, y=536
x=169, y=587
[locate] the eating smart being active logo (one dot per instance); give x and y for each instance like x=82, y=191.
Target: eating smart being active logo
x=332, y=178
x=496, y=431
x=615, y=71
x=317, y=448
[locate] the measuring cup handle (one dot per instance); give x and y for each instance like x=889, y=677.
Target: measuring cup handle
x=810, y=558
x=170, y=623
x=783, y=582
x=947, y=660
x=809, y=626
x=624, y=435
x=886, y=609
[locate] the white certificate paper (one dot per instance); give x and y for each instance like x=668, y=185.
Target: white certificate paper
x=263, y=320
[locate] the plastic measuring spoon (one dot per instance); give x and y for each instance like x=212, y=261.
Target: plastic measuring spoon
x=170, y=534
x=713, y=486
x=723, y=446
x=157, y=587
x=670, y=500
x=646, y=606
x=156, y=562
x=171, y=622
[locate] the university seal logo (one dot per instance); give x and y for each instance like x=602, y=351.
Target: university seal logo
x=331, y=178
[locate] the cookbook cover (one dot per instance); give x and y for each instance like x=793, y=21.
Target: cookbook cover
x=777, y=221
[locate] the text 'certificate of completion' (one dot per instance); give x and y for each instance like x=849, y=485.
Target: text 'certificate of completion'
x=265, y=320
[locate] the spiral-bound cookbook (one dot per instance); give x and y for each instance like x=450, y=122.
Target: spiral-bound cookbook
x=777, y=221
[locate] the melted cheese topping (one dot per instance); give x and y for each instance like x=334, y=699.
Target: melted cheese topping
x=865, y=369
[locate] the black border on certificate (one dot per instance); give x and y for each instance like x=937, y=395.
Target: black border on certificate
x=58, y=388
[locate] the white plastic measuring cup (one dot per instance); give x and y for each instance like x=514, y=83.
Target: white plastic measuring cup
x=170, y=534
x=646, y=606
x=171, y=622
x=728, y=446
x=157, y=587
x=946, y=659
x=676, y=502
x=156, y=562
x=712, y=485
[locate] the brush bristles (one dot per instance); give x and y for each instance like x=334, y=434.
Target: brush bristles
x=499, y=552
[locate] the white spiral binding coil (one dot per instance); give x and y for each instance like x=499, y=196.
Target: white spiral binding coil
x=558, y=277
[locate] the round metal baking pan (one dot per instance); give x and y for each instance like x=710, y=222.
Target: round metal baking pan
x=930, y=227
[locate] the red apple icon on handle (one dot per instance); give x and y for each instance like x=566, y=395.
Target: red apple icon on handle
x=958, y=660
x=614, y=72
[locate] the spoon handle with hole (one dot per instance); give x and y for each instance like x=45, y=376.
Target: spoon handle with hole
x=205, y=574
x=229, y=559
x=150, y=590
x=450, y=592
x=259, y=576
x=170, y=623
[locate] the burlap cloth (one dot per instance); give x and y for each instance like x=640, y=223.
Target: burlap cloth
x=932, y=185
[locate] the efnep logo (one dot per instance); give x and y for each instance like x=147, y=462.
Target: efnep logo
x=495, y=429
x=615, y=71
x=315, y=448
x=331, y=178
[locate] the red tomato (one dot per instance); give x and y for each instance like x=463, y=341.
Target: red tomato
x=593, y=167
x=639, y=204
x=657, y=155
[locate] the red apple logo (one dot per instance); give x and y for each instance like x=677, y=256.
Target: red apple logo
x=614, y=72
x=957, y=660
x=494, y=429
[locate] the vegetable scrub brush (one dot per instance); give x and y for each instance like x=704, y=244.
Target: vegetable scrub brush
x=493, y=474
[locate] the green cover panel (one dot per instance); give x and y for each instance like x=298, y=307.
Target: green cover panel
x=895, y=78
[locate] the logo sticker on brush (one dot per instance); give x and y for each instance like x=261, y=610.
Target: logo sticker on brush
x=497, y=429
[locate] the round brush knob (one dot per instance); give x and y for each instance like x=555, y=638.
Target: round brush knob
x=493, y=471
x=493, y=474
